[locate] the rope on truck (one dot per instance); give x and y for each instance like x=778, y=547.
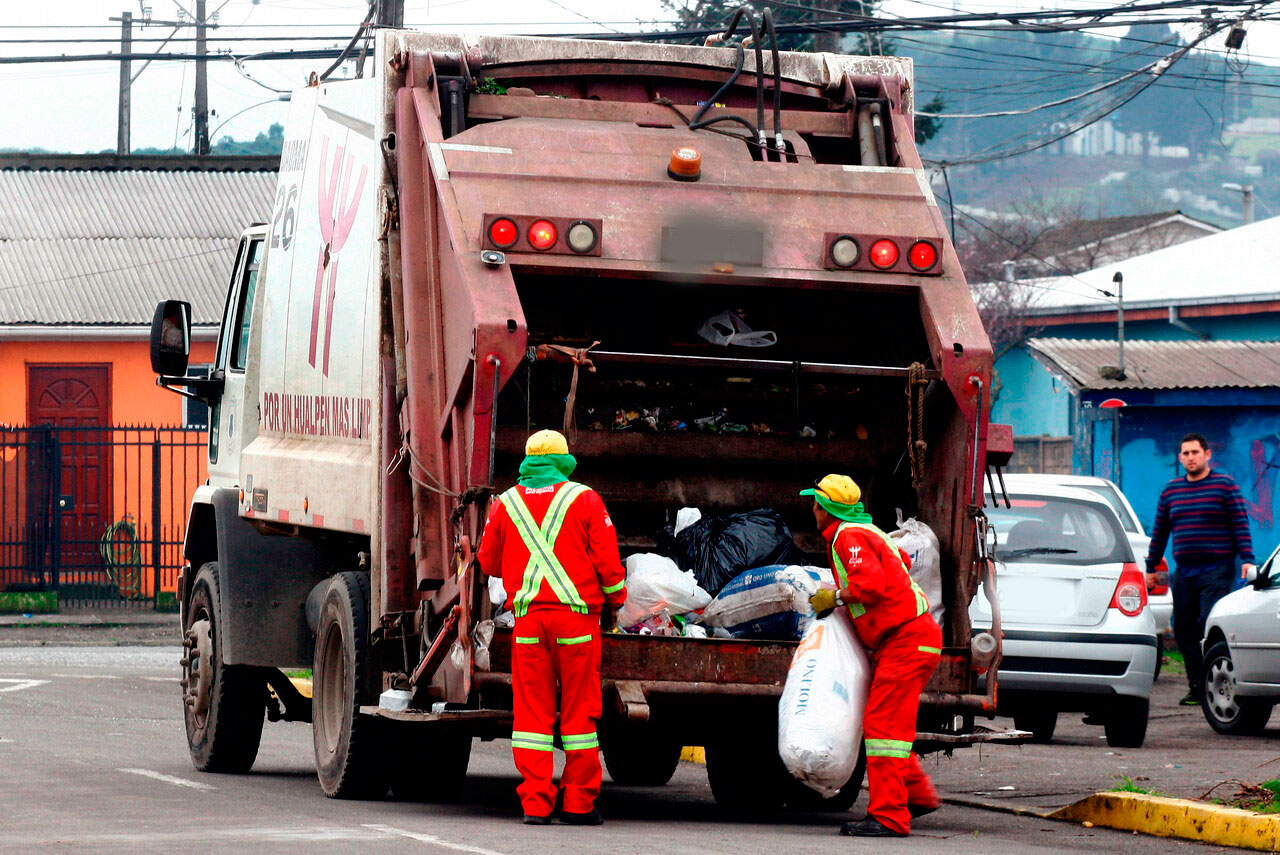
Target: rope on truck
x=917, y=381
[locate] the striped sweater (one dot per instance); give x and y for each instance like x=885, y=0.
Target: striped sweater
x=1207, y=518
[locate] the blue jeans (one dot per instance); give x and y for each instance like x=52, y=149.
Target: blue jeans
x=1195, y=591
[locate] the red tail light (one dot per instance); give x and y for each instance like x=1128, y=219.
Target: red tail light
x=884, y=253
x=1161, y=585
x=503, y=233
x=922, y=255
x=1130, y=596
x=542, y=235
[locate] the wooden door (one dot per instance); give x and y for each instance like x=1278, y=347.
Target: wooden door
x=70, y=397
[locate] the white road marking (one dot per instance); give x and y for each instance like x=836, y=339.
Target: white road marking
x=85, y=676
x=202, y=837
x=433, y=840
x=168, y=779
x=19, y=685
x=162, y=679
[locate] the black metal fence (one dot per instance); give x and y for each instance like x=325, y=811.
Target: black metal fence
x=96, y=514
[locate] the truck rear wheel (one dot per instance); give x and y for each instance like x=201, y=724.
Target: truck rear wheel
x=223, y=705
x=1126, y=722
x=434, y=765
x=641, y=757
x=348, y=760
x=800, y=797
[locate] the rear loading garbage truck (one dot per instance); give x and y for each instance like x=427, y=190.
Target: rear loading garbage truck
x=490, y=236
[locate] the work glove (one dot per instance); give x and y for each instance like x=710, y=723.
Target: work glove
x=823, y=602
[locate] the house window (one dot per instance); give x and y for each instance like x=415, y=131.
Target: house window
x=195, y=414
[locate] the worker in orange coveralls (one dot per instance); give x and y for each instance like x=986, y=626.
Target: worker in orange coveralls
x=891, y=617
x=554, y=546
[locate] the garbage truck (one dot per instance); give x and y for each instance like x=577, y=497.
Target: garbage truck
x=487, y=236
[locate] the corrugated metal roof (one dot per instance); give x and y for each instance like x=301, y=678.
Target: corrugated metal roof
x=104, y=247
x=1164, y=364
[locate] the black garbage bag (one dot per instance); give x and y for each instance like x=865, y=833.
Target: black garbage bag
x=719, y=548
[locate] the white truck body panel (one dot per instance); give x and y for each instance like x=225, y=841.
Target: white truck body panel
x=316, y=388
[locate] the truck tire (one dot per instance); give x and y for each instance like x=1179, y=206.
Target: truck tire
x=349, y=760
x=223, y=705
x=640, y=757
x=1042, y=723
x=433, y=765
x=1225, y=711
x=800, y=797
x=1126, y=722
x=744, y=773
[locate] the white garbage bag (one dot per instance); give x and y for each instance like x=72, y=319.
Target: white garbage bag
x=820, y=714
x=921, y=546
x=497, y=593
x=686, y=517
x=767, y=602
x=655, y=584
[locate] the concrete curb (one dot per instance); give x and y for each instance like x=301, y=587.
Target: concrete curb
x=694, y=754
x=1182, y=818
x=303, y=685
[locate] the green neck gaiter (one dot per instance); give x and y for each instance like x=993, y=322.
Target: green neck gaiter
x=543, y=470
x=849, y=513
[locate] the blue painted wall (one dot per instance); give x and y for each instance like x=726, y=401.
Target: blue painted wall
x=1030, y=398
x=1243, y=427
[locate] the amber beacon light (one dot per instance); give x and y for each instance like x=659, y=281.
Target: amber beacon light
x=686, y=164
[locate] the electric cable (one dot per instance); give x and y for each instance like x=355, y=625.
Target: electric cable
x=360, y=31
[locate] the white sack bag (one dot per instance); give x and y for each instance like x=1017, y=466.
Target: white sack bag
x=921, y=545
x=820, y=714
x=655, y=584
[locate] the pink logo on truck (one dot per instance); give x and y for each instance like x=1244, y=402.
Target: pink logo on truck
x=335, y=228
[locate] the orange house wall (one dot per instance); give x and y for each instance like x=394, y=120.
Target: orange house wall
x=135, y=397
x=135, y=400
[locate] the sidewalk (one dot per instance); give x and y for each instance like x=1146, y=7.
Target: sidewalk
x=86, y=627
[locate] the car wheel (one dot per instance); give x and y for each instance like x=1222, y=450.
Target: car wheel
x=1126, y=722
x=1223, y=709
x=1041, y=723
x=1159, y=654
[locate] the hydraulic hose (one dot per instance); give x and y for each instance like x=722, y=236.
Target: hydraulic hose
x=777, y=81
x=757, y=130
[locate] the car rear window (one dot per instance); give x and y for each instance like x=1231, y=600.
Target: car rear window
x=1053, y=530
x=1113, y=499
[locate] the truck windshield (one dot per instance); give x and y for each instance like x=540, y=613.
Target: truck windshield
x=1052, y=530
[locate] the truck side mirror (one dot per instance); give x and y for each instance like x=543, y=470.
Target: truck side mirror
x=171, y=338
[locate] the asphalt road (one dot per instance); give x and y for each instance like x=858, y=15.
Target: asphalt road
x=93, y=759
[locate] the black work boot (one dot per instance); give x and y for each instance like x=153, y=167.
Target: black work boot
x=591, y=817
x=869, y=827
x=536, y=820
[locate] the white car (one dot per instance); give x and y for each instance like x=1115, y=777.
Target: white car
x=1159, y=597
x=1241, y=677
x=1078, y=635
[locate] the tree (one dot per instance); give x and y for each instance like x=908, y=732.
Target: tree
x=713, y=14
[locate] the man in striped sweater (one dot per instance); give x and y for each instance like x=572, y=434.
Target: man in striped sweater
x=1205, y=512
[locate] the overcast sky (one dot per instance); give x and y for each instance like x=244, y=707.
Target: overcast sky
x=73, y=106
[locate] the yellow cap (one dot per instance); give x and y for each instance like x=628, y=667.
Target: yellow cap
x=838, y=488
x=547, y=442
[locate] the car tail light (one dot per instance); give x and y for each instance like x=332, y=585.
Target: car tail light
x=1130, y=596
x=542, y=235
x=884, y=253
x=1161, y=585
x=503, y=233
x=845, y=252
x=922, y=255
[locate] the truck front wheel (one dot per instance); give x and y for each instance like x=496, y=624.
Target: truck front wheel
x=347, y=744
x=434, y=764
x=223, y=705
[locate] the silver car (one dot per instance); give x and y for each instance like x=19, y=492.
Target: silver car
x=1159, y=597
x=1078, y=635
x=1241, y=678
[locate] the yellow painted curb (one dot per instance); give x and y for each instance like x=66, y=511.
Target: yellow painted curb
x=694, y=754
x=302, y=685
x=1189, y=820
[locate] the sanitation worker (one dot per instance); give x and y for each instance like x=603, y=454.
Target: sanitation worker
x=554, y=546
x=891, y=617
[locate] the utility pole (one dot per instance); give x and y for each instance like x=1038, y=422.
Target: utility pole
x=390, y=13
x=1119, y=280
x=126, y=48
x=202, y=84
x=826, y=42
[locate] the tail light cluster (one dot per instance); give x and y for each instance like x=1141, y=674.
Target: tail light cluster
x=554, y=235
x=843, y=251
x=1161, y=585
x=1130, y=596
